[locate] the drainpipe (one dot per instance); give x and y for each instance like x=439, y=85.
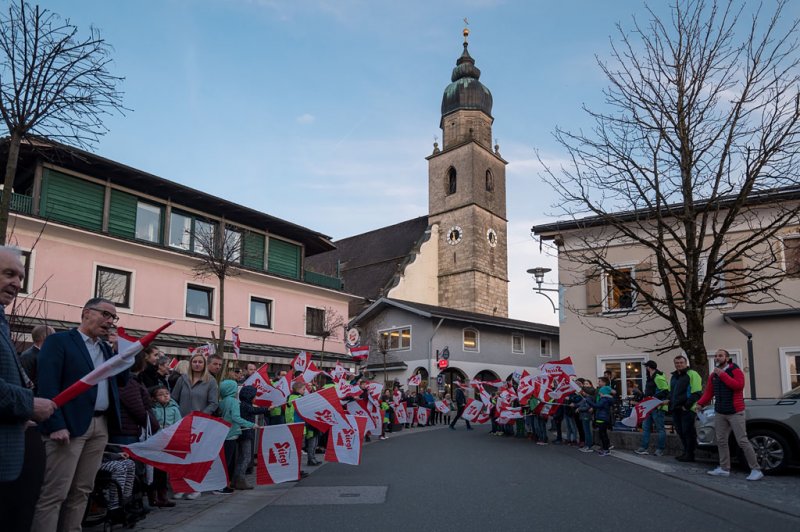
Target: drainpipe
x=430, y=351
x=750, y=360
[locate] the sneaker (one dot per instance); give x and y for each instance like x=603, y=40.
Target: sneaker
x=659, y=452
x=224, y=491
x=755, y=474
x=641, y=450
x=601, y=452
x=610, y=447
x=719, y=472
x=541, y=443
x=178, y=496
x=192, y=496
x=383, y=438
x=586, y=450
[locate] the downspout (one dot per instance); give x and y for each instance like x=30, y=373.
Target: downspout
x=750, y=360
x=430, y=351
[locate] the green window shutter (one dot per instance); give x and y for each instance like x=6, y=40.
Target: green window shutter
x=253, y=248
x=71, y=200
x=284, y=258
x=122, y=215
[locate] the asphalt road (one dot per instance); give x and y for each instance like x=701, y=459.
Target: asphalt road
x=469, y=480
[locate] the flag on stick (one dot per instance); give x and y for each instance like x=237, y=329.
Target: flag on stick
x=641, y=411
x=279, y=454
x=345, y=441
x=236, y=342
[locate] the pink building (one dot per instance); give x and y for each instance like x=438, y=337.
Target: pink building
x=90, y=227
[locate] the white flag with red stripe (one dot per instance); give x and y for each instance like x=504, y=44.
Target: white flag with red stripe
x=267, y=395
x=321, y=409
x=205, y=350
x=416, y=380
x=345, y=441
x=344, y=389
x=472, y=410
x=367, y=410
x=546, y=409
x=300, y=362
x=442, y=406
x=279, y=454
x=400, y=414
x=236, y=342
x=338, y=372
x=411, y=414
x=360, y=352
x=173, y=363
x=311, y=372
x=422, y=415
x=509, y=415
x=189, y=451
x=128, y=347
x=641, y=411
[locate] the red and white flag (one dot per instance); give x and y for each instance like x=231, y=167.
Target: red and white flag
x=473, y=409
x=267, y=395
x=365, y=409
x=173, y=363
x=338, y=372
x=485, y=397
x=321, y=409
x=546, y=409
x=344, y=389
x=236, y=342
x=345, y=441
x=442, y=406
x=483, y=417
x=400, y=414
x=279, y=454
x=300, y=362
x=422, y=415
x=416, y=380
x=641, y=411
x=205, y=350
x=189, y=451
x=558, y=367
x=411, y=414
x=374, y=390
x=360, y=352
x=397, y=397
x=127, y=346
x=311, y=373
x=509, y=415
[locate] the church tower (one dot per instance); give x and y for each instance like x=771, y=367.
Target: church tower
x=467, y=198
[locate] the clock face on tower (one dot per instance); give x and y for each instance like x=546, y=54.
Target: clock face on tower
x=491, y=236
x=454, y=235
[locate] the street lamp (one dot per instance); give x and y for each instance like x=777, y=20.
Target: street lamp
x=538, y=276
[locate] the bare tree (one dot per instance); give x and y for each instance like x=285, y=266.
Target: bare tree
x=219, y=254
x=695, y=161
x=53, y=84
x=323, y=324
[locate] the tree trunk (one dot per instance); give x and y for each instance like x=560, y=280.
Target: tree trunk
x=221, y=335
x=8, y=183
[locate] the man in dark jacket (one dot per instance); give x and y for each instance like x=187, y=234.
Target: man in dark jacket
x=685, y=387
x=248, y=436
x=30, y=357
x=461, y=403
x=658, y=388
x=726, y=383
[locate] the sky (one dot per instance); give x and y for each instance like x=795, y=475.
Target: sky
x=322, y=112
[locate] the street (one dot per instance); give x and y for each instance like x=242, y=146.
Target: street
x=469, y=480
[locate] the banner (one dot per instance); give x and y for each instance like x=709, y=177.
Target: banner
x=300, y=362
x=422, y=416
x=641, y=411
x=400, y=414
x=365, y=409
x=416, y=380
x=322, y=410
x=442, y=406
x=279, y=454
x=473, y=409
x=345, y=441
x=311, y=373
x=359, y=353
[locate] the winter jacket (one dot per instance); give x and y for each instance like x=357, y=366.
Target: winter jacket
x=231, y=409
x=200, y=397
x=602, y=407
x=684, y=389
x=657, y=386
x=167, y=414
x=134, y=410
x=728, y=388
x=248, y=411
x=150, y=377
x=461, y=399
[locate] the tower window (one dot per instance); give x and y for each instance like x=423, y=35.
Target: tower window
x=451, y=181
x=489, y=181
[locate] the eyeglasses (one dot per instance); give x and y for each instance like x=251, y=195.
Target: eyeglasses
x=106, y=314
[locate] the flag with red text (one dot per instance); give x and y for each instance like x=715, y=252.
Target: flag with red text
x=267, y=395
x=473, y=409
x=321, y=409
x=345, y=441
x=422, y=415
x=442, y=406
x=400, y=414
x=279, y=454
x=416, y=380
x=641, y=411
x=300, y=362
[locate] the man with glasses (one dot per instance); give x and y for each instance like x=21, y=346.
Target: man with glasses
x=76, y=435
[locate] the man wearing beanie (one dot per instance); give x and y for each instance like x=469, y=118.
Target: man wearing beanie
x=657, y=387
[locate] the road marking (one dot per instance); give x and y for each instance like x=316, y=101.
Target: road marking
x=336, y=495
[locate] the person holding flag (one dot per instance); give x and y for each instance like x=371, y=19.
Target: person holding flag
x=461, y=403
x=311, y=436
x=657, y=387
x=77, y=433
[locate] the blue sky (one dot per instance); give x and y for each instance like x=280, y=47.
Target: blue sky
x=322, y=111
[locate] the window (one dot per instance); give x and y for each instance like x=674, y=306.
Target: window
x=180, y=231
x=489, y=181
x=471, y=340
x=627, y=373
x=517, y=343
x=114, y=285
x=618, y=290
x=148, y=222
x=718, y=283
x=315, y=321
x=199, y=300
x=545, y=347
x=25, y=257
x=233, y=245
x=452, y=181
x=399, y=338
x=790, y=369
x=260, y=313
x=203, y=237
x=791, y=251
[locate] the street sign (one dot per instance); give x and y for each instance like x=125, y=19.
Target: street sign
x=352, y=337
x=445, y=353
x=440, y=380
x=443, y=363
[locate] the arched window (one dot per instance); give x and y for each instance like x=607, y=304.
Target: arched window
x=489, y=181
x=451, y=181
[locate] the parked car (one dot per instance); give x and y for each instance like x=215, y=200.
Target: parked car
x=773, y=426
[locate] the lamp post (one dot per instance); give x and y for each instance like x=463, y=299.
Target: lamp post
x=538, y=276
x=383, y=348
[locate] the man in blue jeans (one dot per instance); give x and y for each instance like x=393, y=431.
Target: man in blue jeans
x=658, y=387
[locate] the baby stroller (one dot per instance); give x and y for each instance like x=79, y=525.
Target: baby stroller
x=119, y=490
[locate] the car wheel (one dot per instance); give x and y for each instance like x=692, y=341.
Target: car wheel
x=772, y=450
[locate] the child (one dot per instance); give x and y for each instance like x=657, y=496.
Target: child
x=244, y=450
x=167, y=413
x=602, y=413
x=585, y=417
x=231, y=412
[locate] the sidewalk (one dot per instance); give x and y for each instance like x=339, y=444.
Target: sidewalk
x=208, y=513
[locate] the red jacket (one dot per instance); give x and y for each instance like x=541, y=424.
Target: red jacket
x=733, y=381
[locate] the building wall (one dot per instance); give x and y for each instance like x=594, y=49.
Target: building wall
x=419, y=281
x=62, y=278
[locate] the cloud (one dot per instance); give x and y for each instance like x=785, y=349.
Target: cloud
x=306, y=118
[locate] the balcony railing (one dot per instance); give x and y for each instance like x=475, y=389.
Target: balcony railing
x=322, y=280
x=20, y=202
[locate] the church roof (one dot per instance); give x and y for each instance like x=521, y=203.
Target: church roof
x=370, y=263
x=466, y=91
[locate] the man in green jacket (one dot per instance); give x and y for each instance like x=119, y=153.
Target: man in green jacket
x=658, y=387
